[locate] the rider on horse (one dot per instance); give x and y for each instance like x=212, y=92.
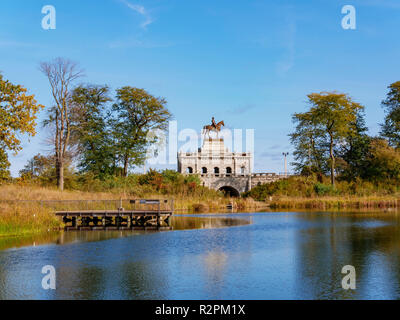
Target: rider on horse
x=213, y=123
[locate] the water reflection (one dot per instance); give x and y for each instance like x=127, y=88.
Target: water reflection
x=181, y=222
x=369, y=242
x=282, y=255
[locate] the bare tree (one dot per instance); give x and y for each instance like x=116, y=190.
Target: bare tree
x=61, y=74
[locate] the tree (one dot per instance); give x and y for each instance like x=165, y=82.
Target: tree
x=391, y=127
x=355, y=151
x=41, y=169
x=306, y=139
x=383, y=161
x=331, y=119
x=4, y=165
x=17, y=116
x=61, y=74
x=38, y=166
x=90, y=131
x=136, y=114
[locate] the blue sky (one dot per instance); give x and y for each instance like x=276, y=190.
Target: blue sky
x=250, y=63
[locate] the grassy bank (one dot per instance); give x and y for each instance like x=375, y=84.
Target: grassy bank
x=21, y=218
x=299, y=192
x=337, y=203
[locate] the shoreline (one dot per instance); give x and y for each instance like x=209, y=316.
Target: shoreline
x=22, y=212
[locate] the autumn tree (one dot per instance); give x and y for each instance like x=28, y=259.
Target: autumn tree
x=331, y=119
x=136, y=113
x=4, y=165
x=383, y=161
x=41, y=169
x=17, y=116
x=38, y=166
x=61, y=73
x=390, y=129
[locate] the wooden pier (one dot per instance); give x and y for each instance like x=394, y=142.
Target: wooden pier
x=142, y=214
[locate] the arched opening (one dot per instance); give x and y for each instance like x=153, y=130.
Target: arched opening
x=228, y=171
x=242, y=170
x=204, y=170
x=216, y=170
x=189, y=170
x=229, y=191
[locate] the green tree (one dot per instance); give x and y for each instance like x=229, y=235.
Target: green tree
x=90, y=131
x=17, y=116
x=391, y=127
x=136, y=113
x=354, y=151
x=332, y=118
x=383, y=161
x=37, y=166
x=41, y=169
x=306, y=139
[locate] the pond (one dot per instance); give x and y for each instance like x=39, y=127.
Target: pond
x=271, y=255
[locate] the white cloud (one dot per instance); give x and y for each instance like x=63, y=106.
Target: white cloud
x=142, y=11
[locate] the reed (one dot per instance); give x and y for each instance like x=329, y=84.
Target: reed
x=21, y=218
x=324, y=203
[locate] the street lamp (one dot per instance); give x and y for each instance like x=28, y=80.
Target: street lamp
x=285, y=154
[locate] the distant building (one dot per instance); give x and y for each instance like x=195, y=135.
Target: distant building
x=221, y=169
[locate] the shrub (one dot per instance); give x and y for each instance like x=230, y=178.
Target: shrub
x=323, y=189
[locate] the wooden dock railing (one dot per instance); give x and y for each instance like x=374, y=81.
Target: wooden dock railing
x=115, y=214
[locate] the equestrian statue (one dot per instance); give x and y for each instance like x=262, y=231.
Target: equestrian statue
x=213, y=127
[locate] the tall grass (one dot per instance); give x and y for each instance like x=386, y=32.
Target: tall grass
x=310, y=192
x=329, y=202
x=20, y=218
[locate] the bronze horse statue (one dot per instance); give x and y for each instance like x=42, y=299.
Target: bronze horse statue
x=216, y=128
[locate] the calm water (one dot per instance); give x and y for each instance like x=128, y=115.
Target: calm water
x=241, y=256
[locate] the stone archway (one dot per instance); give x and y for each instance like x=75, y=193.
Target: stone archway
x=230, y=191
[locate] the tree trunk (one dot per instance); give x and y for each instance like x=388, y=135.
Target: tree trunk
x=60, y=175
x=126, y=160
x=57, y=172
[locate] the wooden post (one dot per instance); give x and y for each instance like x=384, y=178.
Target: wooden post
x=158, y=214
x=129, y=221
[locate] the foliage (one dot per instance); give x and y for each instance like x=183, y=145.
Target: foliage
x=391, y=127
x=383, y=162
x=17, y=114
x=38, y=166
x=310, y=187
x=331, y=118
x=137, y=114
x=4, y=165
x=323, y=189
x=90, y=132
x=41, y=169
x=352, y=154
